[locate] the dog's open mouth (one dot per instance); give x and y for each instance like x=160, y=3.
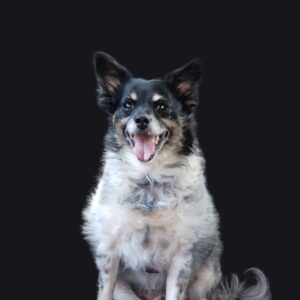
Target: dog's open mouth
x=145, y=146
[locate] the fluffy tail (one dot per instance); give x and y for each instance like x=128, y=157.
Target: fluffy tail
x=236, y=290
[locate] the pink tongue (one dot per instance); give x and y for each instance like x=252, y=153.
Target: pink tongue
x=144, y=146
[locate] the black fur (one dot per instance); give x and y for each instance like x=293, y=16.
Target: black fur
x=180, y=91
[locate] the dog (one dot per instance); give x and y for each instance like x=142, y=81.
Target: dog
x=151, y=222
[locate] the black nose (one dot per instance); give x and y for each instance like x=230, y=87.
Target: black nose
x=142, y=122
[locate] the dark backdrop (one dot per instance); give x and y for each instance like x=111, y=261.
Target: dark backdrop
x=57, y=129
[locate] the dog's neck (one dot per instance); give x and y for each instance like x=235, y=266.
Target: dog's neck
x=164, y=164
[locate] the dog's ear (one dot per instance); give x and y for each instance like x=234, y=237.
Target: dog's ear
x=110, y=77
x=185, y=83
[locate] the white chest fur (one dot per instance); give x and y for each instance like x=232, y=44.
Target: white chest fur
x=145, y=215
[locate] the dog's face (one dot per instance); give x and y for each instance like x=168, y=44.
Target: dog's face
x=148, y=116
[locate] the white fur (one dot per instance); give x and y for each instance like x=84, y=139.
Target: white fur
x=134, y=96
x=155, y=127
x=157, y=97
x=112, y=225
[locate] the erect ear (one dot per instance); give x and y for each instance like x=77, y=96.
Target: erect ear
x=110, y=77
x=185, y=83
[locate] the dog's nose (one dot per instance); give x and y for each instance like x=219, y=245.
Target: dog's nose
x=142, y=122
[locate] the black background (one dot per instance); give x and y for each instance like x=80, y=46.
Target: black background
x=55, y=129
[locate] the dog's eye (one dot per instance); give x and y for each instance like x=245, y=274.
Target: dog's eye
x=128, y=105
x=162, y=107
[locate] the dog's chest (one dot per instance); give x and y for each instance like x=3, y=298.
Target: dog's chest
x=151, y=223
x=145, y=245
x=146, y=217
x=148, y=194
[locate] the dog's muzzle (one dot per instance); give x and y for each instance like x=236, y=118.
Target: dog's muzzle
x=145, y=146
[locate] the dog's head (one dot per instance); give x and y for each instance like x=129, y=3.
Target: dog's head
x=148, y=116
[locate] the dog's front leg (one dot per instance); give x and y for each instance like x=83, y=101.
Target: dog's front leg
x=108, y=265
x=179, y=275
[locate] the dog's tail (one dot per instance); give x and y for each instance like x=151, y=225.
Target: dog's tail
x=233, y=289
